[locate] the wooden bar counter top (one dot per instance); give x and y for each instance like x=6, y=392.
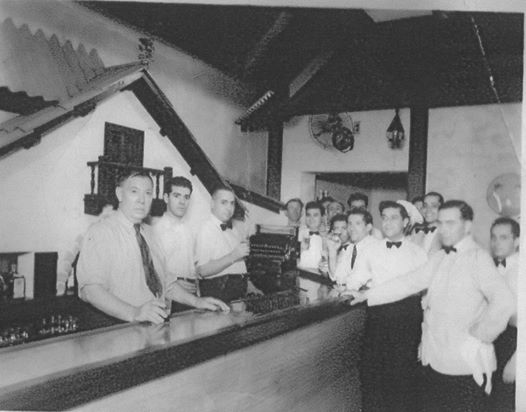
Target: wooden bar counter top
x=299, y=358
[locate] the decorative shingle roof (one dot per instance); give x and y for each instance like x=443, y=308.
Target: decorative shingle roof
x=43, y=67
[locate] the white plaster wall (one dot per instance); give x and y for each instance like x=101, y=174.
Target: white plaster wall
x=207, y=101
x=303, y=156
x=43, y=187
x=468, y=147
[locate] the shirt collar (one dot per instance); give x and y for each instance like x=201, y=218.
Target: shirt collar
x=123, y=220
x=216, y=221
x=465, y=244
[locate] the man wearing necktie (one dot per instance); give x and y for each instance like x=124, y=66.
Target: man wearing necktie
x=466, y=307
x=359, y=227
x=121, y=270
x=504, y=245
x=220, y=251
x=392, y=331
x=425, y=235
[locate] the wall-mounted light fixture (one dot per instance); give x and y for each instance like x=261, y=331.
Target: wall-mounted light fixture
x=395, y=132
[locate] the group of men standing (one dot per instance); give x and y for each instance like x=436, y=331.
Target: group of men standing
x=132, y=271
x=434, y=295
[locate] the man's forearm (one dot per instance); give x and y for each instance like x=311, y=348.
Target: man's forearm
x=215, y=266
x=181, y=295
x=108, y=303
x=498, y=312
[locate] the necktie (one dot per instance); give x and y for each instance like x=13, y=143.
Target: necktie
x=225, y=226
x=152, y=279
x=500, y=262
x=313, y=232
x=391, y=244
x=353, y=257
x=448, y=249
x=425, y=229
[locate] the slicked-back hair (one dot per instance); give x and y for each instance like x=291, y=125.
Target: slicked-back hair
x=367, y=217
x=222, y=187
x=512, y=223
x=133, y=173
x=340, y=217
x=391, y=204
x=294, y=199
x=358, y=196
x=315, y=205
x=466, y=211
x=178, y=181
x=437, y=195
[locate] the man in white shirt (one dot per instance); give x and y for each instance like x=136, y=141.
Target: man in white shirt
x=174, y=235
x=392, y=331
x=359, y=200
x=310, y=237
x=359, y=226
x=121, y=270
x=426, y=235
x=504, y=244
x=466, y=307
x=220, y=250
x=294, y=211
x=338, y=239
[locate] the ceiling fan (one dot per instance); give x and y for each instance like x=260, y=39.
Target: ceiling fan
x=332, y=130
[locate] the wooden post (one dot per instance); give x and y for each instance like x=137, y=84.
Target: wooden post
x=416, y=177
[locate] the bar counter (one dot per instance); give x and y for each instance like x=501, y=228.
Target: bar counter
x=299, y=358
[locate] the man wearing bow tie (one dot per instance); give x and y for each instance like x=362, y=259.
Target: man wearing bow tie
x=466, y=307
x=337, y=243
x=392, y=331
x=504, y=244
x=220, y=251
x=426, y=235
x=311, y=237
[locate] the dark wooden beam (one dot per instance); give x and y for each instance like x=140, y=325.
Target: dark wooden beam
x=274, y=158
x=416, y=178
x=258, y=53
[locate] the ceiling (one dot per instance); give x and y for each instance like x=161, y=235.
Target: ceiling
x=323, y=60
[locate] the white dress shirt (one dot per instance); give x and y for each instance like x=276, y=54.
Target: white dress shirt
x=213, y=243
x=344, y=271
x=310, y=258
x=463, y=289
x=380, y=264
x=510, y=273
x=110, y=256
x=176, y=241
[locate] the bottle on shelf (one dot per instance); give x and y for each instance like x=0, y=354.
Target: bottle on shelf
x=19, y=283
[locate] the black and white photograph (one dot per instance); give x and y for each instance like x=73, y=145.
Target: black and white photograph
x=296, y=205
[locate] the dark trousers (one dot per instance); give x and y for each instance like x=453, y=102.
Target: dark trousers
x=450, y=393
x=225, y=288
x=389, y=363
x=503, y=394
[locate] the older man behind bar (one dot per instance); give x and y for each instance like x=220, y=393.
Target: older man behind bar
x=120, y=269
x=466, y=307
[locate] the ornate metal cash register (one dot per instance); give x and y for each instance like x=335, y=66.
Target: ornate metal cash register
x=272, y=268
x=273, y=250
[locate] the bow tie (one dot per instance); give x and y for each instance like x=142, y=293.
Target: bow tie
x=448, y=249
x=425, y=229
x=313, y=232
x=391, y=244
x=225, y=226
x=343, y=247
x=500, y=262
